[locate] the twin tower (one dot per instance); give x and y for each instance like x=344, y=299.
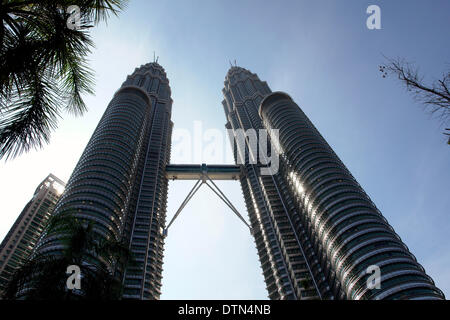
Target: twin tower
x=317, y=233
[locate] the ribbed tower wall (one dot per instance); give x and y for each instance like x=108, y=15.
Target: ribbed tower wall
x=347, y=231
x=289, y=266
x=119, y=183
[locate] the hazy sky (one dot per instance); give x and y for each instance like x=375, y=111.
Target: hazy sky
x=319, y=52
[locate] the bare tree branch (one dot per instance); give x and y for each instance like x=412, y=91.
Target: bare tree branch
x=435, y=96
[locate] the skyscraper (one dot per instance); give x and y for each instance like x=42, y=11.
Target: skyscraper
x=24, y=234
x=317, y=232
x=286, y=271
x=119, y=183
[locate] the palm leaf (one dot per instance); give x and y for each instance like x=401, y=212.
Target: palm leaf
x=43, y=68
x=28, y=122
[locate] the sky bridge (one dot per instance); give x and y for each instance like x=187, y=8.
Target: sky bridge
x=204, y=175
x=199, y=172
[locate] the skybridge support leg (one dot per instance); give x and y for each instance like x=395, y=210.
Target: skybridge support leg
x=191, y=194
x=224, y=198
x=205, y=180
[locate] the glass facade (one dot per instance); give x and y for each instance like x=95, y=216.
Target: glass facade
x=21, y=240
x=290, y=268
x=119, y=182
x=347, y=231
x=316, y=231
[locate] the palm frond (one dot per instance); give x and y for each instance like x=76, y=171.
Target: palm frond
x=28, y=122
x=101, y=10
x=34, y=39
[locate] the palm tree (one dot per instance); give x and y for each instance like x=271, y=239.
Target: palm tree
x=43, y=276
x=43, y=66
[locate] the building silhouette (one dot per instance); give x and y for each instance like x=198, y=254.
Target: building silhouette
x=286, y=271
x=26, y=231
x=316, y=231
x=119, y=183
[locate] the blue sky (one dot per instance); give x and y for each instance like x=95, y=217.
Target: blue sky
x=319, y=52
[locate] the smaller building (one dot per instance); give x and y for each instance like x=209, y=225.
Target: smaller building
x=22, y=238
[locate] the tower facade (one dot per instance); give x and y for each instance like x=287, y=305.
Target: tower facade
x=317, y=232
x=119, y=183
x=24, y=234
x=287, y=272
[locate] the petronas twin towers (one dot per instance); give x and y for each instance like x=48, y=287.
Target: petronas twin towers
x=317, y=232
